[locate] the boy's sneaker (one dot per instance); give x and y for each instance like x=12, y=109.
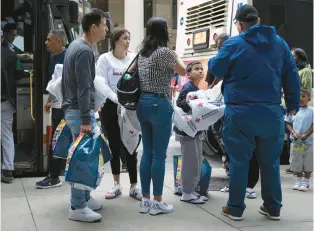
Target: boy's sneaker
x=136, y=193
x=114, y=192
x=48, y=182
x=226, y=212
x=225, y=189
x=6, y=176
x=85, y=215
x=145, y=205
x=93, y=204
x=272, y=216
x=250, y=193
x=304, y=187
x=297, y=185
x=160, y=208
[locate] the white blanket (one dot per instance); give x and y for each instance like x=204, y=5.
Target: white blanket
x=207, y=108
x=128, y=122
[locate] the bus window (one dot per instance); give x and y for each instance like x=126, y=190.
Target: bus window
x=19, y=42
x=59, y=26
x=76, y=31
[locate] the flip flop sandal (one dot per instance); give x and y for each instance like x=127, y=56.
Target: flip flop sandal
x=194, y=201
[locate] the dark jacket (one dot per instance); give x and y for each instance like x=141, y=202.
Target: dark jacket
x=181, y=103
x=9, y=74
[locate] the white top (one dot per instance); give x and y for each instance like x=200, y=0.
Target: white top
x=111, y=68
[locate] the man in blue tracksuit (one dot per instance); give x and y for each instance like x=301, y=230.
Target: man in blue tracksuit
x=255, y=66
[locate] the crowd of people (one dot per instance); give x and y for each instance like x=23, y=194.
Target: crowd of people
x=255, y=67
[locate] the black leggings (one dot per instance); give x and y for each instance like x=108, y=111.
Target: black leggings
x=55, y=164
x=109, y=119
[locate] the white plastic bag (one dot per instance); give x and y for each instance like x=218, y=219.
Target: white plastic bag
x=54, y=85
x=184, y=121
x=129, y=135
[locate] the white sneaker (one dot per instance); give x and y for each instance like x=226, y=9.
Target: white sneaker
x=145, y=205
x=225, y=189
x=304, y=187
x=159, y=208
x=250, y=193
x=136, y=193
x=85, y=215
x=297, y=185
x=93, y=204
x=114, y=192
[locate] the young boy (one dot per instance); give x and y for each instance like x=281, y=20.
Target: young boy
x=191, y=147
x=301, y=128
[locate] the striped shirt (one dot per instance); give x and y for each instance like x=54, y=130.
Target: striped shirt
x=156, y=71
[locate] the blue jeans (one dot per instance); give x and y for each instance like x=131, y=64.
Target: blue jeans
x=73, y=120
x=241, y=137
x=155, y=115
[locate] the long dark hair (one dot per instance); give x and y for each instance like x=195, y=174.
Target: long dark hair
x=303, y=60
x=156, y=36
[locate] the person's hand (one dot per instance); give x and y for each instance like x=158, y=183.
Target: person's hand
x=86, y=129
x=303, y=137
x=291, y=113
x=47, y=107
x=295, y=135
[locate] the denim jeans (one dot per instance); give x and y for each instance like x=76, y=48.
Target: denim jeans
x=155, y=115
x=73, y=120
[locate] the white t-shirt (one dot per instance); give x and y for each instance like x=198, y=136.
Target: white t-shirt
x=111, y=68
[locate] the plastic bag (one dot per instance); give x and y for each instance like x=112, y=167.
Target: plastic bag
x=184, y=121
x=84, y=167
x=129, y=135
x=203, y=185
x=54, y=85
x=61, y=141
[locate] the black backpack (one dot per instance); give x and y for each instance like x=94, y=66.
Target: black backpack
x=128, y=87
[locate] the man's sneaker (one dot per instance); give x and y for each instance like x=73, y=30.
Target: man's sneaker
x=160, y=208
x=114, y=192
x=145, y=205
x=272, y=216
x=250, y=193
x=85, y=215
x=225, y=189
x=6, y=176
x=48, y=182
x=93, y=204
x=304, y=187
x=288, y=171
x=136, y=193
x=226, y=212
x=297, y=185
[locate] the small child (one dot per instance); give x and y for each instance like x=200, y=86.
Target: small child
x=191, y=147
x=301, y=152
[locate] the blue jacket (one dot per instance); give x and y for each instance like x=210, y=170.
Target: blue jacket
x=256, y=65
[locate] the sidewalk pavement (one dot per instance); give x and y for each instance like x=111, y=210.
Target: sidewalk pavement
x=25, y=208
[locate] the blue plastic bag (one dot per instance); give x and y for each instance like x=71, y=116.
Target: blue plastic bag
x=62, y=140
x=203, y=185
x=85, y=162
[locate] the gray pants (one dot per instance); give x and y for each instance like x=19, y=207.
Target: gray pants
x=192, y=152
x=7, y=140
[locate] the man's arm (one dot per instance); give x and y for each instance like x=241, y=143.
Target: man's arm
x=83, y=66
x=219, y=65
x=291, y=83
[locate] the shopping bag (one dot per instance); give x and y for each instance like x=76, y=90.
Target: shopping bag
x=105, y=149
x=206, y=172
x=203, y=185
x=61, y=141
x=84, y=169
x=177, y=160
x=184, y=121
x=54, y=85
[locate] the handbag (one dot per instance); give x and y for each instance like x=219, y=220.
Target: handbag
x=128, y=87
